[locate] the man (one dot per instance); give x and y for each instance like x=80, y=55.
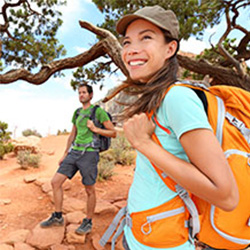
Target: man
x=83, y=157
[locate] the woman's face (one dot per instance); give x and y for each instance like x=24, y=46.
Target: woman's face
x=144, y=50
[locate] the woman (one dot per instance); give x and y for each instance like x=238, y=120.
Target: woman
x=150, y=45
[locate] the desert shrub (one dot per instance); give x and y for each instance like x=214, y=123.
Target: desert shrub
x=27, y=159
x=28, y=132
x=121, y=151
x=120, y=142
x=105, y=169
x=5, y=145
x=64, y=132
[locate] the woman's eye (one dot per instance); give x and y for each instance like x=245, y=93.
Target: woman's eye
x=125, y=43
x=146, y=37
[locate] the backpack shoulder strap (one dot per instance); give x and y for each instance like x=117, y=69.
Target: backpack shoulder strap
x=183, y=194
x=78, y=112
x=92, y=113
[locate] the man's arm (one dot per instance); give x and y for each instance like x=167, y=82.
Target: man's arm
x=109, y=130
x=70, y=140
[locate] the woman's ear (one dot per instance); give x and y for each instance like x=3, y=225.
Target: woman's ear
x=171, y=49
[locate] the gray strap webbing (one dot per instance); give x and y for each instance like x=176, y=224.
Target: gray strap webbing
x=118, y=232
x=122, y=212
x=194, y=220
x=241, y=126
x=220, y=119
x=82, y=116
x=85, y=146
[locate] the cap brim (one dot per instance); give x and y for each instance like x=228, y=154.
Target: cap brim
x=125, y=21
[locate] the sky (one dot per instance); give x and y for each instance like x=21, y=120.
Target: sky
x=49, y=107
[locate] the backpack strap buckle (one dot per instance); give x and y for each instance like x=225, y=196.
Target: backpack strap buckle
x=239, y=125
x=194, y=220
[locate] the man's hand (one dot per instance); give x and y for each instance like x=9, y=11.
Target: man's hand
x=91, y=126
x=61, y=160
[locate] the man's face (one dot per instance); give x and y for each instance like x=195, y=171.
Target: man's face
x=84, y=96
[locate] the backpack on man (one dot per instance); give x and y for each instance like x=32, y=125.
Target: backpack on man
x=102, y=143
x=228, y=111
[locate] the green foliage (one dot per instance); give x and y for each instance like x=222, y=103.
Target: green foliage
x=5, y=146
x=194, y=16
x=105, y=169
x=34, y=27
x=5, y=149
x=29, y=132
x=93, y=74
x=215, y=58
x=27, y=159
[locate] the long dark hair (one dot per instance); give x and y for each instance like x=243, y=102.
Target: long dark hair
x=152, y=93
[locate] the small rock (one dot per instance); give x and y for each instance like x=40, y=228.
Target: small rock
x=5, y=201
x=39, y=237
x=75, y=217
x=29, y=179
x=72, y=237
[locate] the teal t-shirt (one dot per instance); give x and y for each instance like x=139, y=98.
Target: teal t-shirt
x=181, y=111
x=84, y=134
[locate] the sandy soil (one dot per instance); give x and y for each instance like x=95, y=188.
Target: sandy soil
x=29, y=205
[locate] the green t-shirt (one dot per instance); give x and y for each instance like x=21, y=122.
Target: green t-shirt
x=84, y=134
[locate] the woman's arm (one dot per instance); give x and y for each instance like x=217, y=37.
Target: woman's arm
x=208, y=175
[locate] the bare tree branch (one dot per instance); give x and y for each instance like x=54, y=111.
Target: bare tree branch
x=48, y=70
x=223, y=52
x=109, y=45
x=112, y=45
x=224, y=76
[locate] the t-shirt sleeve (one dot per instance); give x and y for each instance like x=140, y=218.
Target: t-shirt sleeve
x=102, y=115
x=184, y=110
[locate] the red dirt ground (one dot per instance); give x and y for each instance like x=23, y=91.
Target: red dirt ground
x=29, y=205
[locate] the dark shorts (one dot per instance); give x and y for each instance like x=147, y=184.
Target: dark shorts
x=85, y=162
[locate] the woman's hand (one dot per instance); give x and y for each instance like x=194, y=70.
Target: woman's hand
x=138, y=130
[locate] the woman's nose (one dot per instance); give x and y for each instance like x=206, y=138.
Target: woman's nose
x=133, y=51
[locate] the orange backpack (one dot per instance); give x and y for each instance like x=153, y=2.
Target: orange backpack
x=228, y=111
x=165, y=226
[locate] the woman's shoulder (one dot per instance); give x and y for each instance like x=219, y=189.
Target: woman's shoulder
x=177, y=91
x=180, y=94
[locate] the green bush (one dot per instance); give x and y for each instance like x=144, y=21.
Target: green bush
x=27, y=159
x=5, y=146
x=105, y=169
x=29, y=132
